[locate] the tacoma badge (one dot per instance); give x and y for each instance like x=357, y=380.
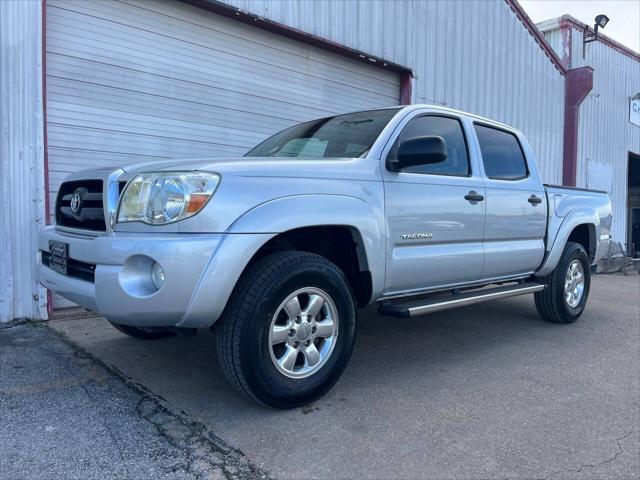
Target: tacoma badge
x=416, y=236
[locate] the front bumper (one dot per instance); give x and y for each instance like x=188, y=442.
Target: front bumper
x=199, y=274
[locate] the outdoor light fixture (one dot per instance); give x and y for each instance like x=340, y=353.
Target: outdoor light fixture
x=589, y=36
x=601, y=21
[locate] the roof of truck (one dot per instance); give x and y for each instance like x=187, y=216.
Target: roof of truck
x=457, y=112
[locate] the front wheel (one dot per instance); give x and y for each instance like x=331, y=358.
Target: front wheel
x=567, y=287
x=289, y=329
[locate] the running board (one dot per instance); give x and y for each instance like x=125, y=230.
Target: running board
x=430, y=305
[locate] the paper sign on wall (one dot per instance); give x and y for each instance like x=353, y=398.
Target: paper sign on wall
x=599, y=175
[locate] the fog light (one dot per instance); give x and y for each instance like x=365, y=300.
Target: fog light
x=157, y=275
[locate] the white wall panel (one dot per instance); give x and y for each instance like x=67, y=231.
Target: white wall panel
x=473, y=55
x=21, y=159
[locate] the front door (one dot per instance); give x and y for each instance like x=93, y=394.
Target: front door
x=435, y=212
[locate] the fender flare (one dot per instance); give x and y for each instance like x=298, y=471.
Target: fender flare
x=573, y=218
x=253, y=229
x=364, y=219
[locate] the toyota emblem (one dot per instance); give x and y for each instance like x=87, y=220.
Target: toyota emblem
x=76, y=200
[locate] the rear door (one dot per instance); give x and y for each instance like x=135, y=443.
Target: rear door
x=516, y=210
x=434, y=226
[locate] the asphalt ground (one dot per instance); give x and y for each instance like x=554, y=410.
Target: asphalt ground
x=64, y=415
x=488, y=391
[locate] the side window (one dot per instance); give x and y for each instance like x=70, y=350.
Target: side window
x=501, y=154
x=457, y=162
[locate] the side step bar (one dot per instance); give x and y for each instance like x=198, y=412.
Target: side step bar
x=430, y=305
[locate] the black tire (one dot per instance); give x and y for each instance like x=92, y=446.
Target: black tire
x=244, y=350
x=551, y=302
x=143, y=333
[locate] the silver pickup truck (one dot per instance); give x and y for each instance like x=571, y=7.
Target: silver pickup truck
x=416, y=209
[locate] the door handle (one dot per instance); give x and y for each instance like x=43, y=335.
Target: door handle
x=534, y=200
x=473, y=196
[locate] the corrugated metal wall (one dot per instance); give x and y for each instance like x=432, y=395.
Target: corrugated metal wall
x=21, y=158
x=474, y=55
x=554, y=38
x=558, y=40
x=605, y=135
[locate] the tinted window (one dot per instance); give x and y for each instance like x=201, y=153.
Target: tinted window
x=501, y=154
x=457, y=161
x=348, y=135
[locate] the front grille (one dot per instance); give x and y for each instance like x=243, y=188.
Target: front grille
x=86, y=197
x=75, y=268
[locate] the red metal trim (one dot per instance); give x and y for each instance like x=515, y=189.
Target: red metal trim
x=578, y=84
x=536, y=34
x=47, y=207
x=405, y=88
x=243, y=16
x=568, y=20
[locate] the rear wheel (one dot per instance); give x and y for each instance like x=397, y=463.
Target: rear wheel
x=143, y=333
x=567, y=291
x=289, y=329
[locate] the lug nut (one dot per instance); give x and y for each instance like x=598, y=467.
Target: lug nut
x=292, y=332
x=307, y=343
x=314, y=329
x=296, y=344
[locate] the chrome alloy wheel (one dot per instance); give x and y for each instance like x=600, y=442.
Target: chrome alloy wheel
x=574, y=283
x=303, y=332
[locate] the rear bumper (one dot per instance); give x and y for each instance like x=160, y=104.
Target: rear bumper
x=200, y=273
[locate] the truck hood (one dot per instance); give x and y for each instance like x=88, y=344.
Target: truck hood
x=339, y=168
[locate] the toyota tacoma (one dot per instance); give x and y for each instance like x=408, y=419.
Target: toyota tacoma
x=415, y=209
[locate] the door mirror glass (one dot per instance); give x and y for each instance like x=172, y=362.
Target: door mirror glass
x=421, y=151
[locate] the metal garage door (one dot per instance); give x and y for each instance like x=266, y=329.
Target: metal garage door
x=135, y=80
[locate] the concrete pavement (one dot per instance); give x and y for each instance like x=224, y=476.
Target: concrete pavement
x=488, y=391
x=63, y=415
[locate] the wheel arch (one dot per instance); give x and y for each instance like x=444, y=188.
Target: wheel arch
x=341, y=244
x=581, y=226
x=585, y=235
x=326, y=219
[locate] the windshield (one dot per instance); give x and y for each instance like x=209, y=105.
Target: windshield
x=349, y=135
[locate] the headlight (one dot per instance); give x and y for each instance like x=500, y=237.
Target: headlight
x=165, y=197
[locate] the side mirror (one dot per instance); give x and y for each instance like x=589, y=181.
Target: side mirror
x=420, y=151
